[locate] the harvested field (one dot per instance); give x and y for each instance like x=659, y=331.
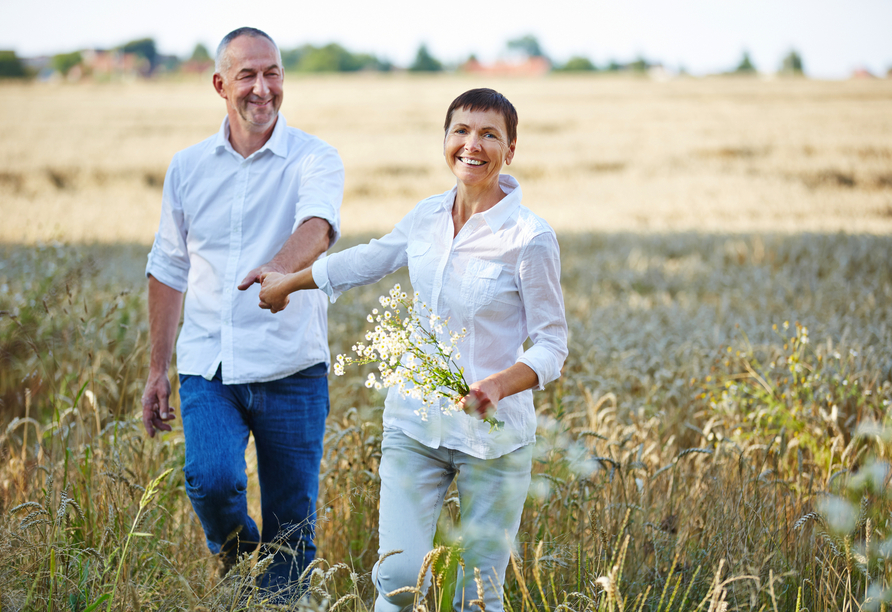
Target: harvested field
x=721, y=436
x=86, y=163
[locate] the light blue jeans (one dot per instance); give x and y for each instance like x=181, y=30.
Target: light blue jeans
x=414, y=480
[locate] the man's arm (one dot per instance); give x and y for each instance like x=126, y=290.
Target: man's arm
x=301, y=249
x=165, y=305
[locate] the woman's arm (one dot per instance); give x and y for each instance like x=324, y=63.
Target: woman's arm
x=275, y=287
x=483, y=398
x=359, y=265
x=538, y=281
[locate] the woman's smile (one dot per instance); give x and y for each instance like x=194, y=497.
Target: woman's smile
x=476, y=147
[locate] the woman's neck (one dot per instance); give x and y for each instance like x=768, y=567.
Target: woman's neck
x=470, y=200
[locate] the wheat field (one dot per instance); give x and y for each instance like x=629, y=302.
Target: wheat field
x=721, y=436
x=85, y=163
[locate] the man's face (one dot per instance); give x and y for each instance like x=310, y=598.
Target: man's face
x=252, y=84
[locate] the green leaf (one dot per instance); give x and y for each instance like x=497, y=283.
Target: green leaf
x=97, y=603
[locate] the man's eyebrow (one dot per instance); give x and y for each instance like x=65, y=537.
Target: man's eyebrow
x=250, y=70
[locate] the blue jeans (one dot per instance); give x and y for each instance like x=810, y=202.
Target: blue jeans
x=287, y=418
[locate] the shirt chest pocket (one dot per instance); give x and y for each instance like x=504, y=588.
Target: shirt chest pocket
x=479, y=283
x=419, y=254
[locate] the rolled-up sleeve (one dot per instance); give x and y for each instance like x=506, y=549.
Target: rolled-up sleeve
x=539, y=282
x=365, y=263
x=321, y=190
x=169, y=258
x=320, y=277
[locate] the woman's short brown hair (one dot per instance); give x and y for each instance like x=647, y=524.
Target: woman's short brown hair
x=484, y=99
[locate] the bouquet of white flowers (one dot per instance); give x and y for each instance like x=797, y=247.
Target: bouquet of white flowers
x=411, y=356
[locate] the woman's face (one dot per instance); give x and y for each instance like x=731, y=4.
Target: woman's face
x=477, y=145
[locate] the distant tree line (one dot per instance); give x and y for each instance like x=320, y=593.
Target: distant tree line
x=790, y=65
x=335, y=58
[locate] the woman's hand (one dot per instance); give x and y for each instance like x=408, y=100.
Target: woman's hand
x=274, y=291
x=482, y=400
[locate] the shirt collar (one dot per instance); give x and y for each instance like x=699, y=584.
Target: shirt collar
x=496, y=216
x=277, y=143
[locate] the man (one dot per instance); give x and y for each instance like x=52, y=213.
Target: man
x=259, y=196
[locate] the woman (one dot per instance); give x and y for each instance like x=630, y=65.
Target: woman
x=486, y=263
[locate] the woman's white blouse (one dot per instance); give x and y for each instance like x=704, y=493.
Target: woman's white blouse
x=500, y=279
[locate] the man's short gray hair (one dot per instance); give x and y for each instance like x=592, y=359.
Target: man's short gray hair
x=222, y=62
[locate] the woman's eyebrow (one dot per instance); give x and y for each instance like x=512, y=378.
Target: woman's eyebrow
x=485, y=127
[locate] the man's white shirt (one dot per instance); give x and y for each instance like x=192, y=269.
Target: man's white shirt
x=223, y=215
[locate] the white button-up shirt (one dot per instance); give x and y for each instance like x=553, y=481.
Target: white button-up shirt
x=500, y=279
x=223, y=215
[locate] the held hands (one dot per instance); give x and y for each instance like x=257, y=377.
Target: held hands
x=273, y=295
x=274, y=291
x=256, y=275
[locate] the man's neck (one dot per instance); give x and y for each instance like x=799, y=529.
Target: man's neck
x=247, y=142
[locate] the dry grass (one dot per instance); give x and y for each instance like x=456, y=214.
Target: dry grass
x=691, y=457
x=680, y=459
x=86, y=162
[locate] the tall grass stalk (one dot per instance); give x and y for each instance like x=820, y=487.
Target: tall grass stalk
x=697, y=450
x=147, y=498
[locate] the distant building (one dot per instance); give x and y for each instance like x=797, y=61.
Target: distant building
x=107, y=64
x=862, y=73
x=526, y=66
x=37, y=64
x=197, y=66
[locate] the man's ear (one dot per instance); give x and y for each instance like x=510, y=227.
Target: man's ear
x=218, y=85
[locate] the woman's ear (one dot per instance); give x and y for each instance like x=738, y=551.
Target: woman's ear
x=510, y=155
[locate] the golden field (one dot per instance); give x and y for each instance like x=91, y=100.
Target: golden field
x=86, y=162
x=721, y=435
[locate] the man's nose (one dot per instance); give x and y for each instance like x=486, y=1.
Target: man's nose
x=261, y=87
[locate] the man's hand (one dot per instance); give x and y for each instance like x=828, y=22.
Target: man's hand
x=156, y=410
x=256, y=275
x=274, y=292
x=165, y=304
x=308, y=242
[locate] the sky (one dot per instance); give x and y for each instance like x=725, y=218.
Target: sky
x=833, y=37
